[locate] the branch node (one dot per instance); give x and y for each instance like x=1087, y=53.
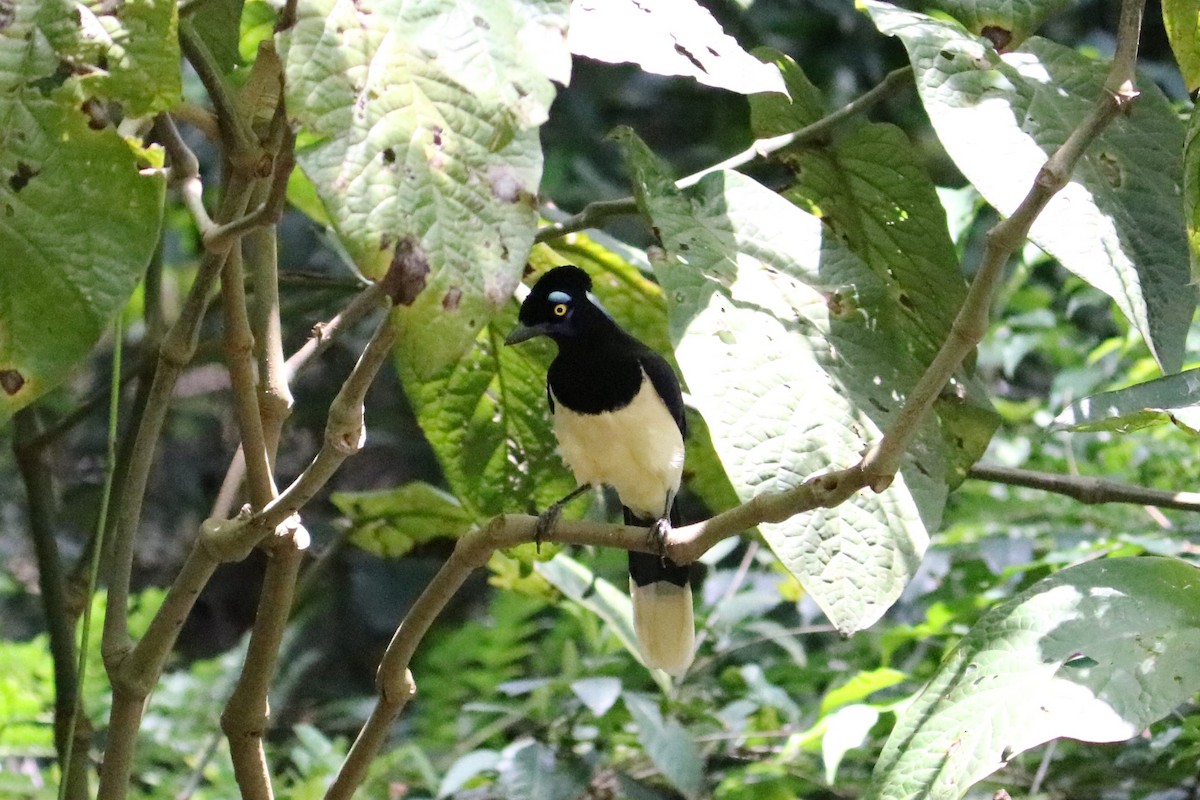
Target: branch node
x=346, y=431
x=226, y=540
x=396, y=688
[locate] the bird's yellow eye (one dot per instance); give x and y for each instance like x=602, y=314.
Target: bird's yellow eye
x=560, y=310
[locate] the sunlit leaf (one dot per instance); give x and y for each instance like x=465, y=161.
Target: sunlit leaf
x=1118, y=223
x=1181, y=18
x=391, y=522
x=668, y=37
x=1095, y=652
x=1174, y=398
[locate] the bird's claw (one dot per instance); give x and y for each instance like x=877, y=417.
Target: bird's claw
x=659, y=532
x=545, y=523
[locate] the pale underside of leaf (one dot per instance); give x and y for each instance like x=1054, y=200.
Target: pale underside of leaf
x=668, y=37
x=422, y=142
x=1096, y=652
x=1117, y=224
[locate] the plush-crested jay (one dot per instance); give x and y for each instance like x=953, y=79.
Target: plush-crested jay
x=618, y=418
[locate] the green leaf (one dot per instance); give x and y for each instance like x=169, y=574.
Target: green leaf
x=65, y=273
x=1006, y=23
x=1174, y=398
x=1181, y=18
x=1117, y=224
x=486, y=417
x=668, y=37
x=218, y=24
x=1191, y=190
x=598, y=694
x=669, y=746
x=391, y=522
x=127, y=52
x=422, y=121
x=597, y=595
x=772, y=114
x=532, y=771
x=465, y=768
x=860, y=687
x=1095, y=652
x=753, y=277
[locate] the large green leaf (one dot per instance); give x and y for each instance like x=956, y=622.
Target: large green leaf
x=420, y=133
x=792, y=353
x=79, y=218
x=1191, y=190
x=127, y=52
x=1096, y=652
x=1174, y=398
x=1181, y=18
x=668, y=37
x=1006, y=23
x=390, y=522
x=669, y=746
x=1118, y=223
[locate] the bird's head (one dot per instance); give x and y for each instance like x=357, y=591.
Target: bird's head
x=560, y=305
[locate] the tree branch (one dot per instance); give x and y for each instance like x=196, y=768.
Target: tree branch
x=246, y=715
x=596, y=212
x=1086, y=490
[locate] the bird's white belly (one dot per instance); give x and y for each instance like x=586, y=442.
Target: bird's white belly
x=637, y=450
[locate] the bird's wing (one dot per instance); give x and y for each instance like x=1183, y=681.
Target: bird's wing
x=665, y=382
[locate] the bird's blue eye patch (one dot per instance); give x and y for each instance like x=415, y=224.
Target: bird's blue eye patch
x=558, y=297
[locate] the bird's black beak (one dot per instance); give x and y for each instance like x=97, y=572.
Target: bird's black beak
x=524, y=333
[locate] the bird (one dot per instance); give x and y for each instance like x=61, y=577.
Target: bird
x=618, y=417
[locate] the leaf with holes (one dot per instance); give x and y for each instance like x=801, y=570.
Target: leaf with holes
x=419, y=128
x=64, y=273
x=126, y=52
x=668, y=37
x=1005, y=23
x=1095, y=652
x=1118, y=223
x=751, y=277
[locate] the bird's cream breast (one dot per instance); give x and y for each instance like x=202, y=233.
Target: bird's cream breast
x=637, y=450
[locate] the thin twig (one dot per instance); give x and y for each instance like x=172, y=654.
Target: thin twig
x=596, y=212
x=1087, y=490
x=39, y=491
x=371, y=298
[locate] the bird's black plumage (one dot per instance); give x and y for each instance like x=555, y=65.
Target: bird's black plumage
x=619, y=419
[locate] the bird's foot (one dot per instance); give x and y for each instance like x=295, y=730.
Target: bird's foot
x=545, y=523
x=659, y=532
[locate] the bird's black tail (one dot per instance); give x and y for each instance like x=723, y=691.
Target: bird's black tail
x=662, y=606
